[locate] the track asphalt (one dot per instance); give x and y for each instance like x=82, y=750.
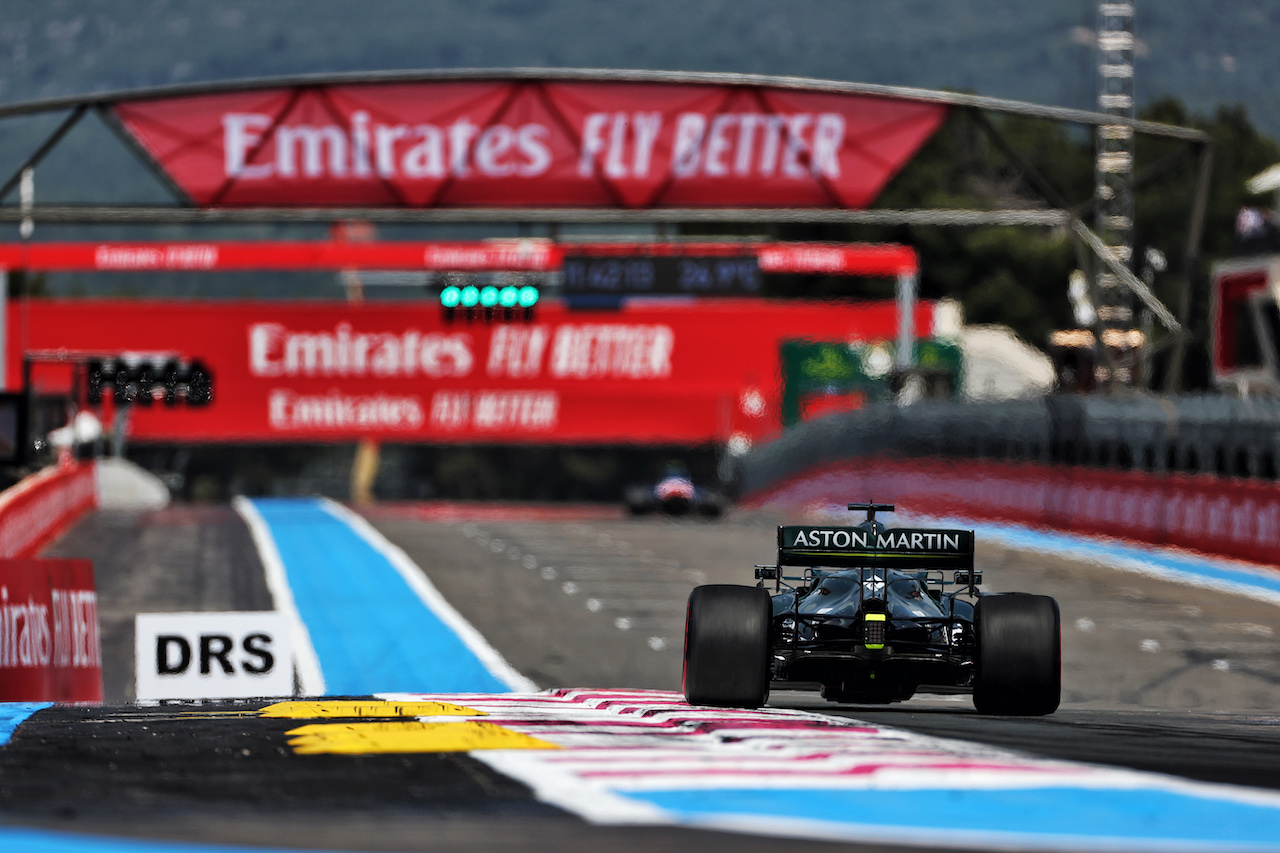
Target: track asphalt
x=1172, y=677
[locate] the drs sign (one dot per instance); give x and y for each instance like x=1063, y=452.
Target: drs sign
x=213, y=655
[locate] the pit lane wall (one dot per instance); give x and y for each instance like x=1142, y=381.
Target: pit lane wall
x=49, y=642
x=1017, y=471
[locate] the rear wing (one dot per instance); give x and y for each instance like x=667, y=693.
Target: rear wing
x=891, y=548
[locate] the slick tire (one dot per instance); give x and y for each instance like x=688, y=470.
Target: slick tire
x=676, y=507
x=712, y=506
x=638, y=501
x=1019, y=655
x=726, y=646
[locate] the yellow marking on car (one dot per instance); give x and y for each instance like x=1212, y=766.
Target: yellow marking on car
x=407, y=737
x=349, y=708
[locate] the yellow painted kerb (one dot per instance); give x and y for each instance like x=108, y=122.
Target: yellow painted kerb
x=407, y=737
x=353, y=709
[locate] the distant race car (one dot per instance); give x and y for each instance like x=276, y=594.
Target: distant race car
x=870, y=620
x=674, y=494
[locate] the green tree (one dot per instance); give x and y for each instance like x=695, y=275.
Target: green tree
x=1017, y=276
x=1163, y=209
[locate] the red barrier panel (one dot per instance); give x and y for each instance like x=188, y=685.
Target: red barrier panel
x=1230, y=518
x=43, y=505
x=49, y=645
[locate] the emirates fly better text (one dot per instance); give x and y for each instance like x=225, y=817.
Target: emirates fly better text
x=565, y=352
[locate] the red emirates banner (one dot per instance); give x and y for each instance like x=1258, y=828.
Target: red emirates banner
x=674, y=374
x=49, y=641
x=837, y=259
x=496, y=256
x=504, y=143
x=519, y=255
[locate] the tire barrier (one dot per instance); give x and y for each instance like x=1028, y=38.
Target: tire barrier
x=49, y=643
x=1199, y=434
x=1196, y=471
x=1191, y=434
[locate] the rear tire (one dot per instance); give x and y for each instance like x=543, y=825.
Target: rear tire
x=1019, y=655
x=639, y=500
x=711, y=506
x=726, y=646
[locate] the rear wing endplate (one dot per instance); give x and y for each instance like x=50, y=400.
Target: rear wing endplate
x=891, y=548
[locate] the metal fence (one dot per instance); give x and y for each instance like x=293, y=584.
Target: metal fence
x=1208, y=434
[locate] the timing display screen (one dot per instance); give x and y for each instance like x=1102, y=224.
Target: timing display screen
x=664, y=275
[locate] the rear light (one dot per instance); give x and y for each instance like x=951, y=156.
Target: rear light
x=875, y=628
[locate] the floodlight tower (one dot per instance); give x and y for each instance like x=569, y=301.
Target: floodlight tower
x=1113, y=185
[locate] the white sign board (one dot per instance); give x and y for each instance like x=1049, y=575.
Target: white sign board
x=242, y=655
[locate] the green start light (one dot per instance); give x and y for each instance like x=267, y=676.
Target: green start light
x=504, y=303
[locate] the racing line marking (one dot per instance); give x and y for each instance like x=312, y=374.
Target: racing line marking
x=572, y=587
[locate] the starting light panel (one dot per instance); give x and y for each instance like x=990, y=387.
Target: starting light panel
x=142, y=382
x=489, y=303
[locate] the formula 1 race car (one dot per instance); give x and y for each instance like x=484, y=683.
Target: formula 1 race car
x=870, y=620
x=674, y=494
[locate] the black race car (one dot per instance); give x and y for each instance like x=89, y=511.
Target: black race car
x=870, y=619
x=675, y=494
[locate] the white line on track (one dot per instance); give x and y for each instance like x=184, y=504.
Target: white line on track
x=306, y=662
x=431, y=597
